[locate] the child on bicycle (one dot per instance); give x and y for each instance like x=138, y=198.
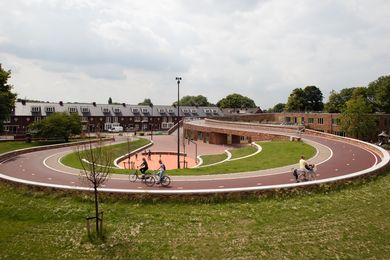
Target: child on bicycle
x=161, y=170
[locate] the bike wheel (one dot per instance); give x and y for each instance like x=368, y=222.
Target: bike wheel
x=133, y=176
x=149, y=181
x=165, y=181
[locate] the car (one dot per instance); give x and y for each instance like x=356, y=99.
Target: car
x=116, y=129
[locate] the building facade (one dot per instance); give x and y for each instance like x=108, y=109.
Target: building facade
x=102, y=117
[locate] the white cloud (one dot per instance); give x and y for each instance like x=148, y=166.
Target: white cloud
x=262, y=49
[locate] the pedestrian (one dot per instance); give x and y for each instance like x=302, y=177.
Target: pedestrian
x=150, y=155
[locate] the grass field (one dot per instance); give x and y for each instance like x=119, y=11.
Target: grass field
x=348, y=223
x=274, y=154
x=116, y=151
x=241, y=152
x=213, y=158
x=11, y=146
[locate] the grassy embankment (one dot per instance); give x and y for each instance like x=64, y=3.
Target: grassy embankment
x=348, y=223
x=274, y=154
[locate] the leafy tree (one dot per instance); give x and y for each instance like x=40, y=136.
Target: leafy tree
x=7, y=98
x=379, y=94
x=313, y=99
x=110, y=101
x=307, y=99
x=335, y=103
x=146, y=102
x=277, y=108
x=236, y=101
x=57, y=125
x=356, y=120
x=193, y=101
x=296, y=101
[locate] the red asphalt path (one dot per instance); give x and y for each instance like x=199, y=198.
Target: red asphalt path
x=346, y=159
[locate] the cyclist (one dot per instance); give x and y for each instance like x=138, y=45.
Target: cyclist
x=161, y=170
x=143, y=167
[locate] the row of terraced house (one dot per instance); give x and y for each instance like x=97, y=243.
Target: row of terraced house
x=102, y=117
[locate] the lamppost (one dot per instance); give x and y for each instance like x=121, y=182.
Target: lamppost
x=178, y=122
x=152, y=122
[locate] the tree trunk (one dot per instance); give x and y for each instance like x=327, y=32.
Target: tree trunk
x=96, y=210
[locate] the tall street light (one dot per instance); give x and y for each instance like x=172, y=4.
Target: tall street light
x=178, y=122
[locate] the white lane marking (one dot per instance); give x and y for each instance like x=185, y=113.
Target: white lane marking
x=49, y=179
x=179, y=188
x=347, y=164
x=336, y=170
x=259, y=183
x=221, y=186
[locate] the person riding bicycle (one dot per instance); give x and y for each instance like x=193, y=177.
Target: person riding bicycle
x=143, y=167
x=161, y=170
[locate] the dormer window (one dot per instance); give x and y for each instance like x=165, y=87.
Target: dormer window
x=185, y=111
x=85, y=109
x=207, y=111
x=170, y=110
x=49, y=109
x=72, y=109
x=106, y=110
x=215, y=111
x=135, y=110
x=117, y=110
x=144, y=110
x=35, y=109
x=161, y=110
x=194, y=111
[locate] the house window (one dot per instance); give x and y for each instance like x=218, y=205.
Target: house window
x=72, y=109
x=135, y=110
x=335, y=121
x=320, y=121
x=49, y=109
x=85, y=110
x=207, y=111
x=194, y=111
x=115, y=119
x=310, y=120
x=35, y=109
x=7, y=120
x=137, y=119
x=145, y=110
x=106, y=110
x=161, y=110
x=37, y=119
x=108, y=119
x=117, y=110
x=84, y=119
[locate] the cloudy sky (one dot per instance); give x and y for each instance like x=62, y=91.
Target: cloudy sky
x=89, y=50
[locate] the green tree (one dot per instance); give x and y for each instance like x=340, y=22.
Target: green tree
x=57, y=125
x=307, y=99
x=110, y=101
x=236, y=101
x=7, y=98
x=277, y=108
x=296, y=101
x=146, y=102
x=335, y=103
x=199, y=100
x=313, y=99
x=379, y=94
x=356, y=119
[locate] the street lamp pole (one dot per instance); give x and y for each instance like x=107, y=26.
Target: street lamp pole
x=178, y=122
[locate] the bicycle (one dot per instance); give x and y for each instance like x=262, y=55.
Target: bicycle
x=147, y=178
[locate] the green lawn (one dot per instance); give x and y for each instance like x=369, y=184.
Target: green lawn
x=274, y=154
x=244, y=151
x=213, y=158
x=116, y=151
x=348, y=223
x=11, y=146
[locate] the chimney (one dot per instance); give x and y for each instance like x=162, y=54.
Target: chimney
x=61, y=103
x=124, y=104
x=23, y=102
x=94, y=104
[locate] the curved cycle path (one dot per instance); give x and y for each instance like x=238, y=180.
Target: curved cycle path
x=334, y=158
